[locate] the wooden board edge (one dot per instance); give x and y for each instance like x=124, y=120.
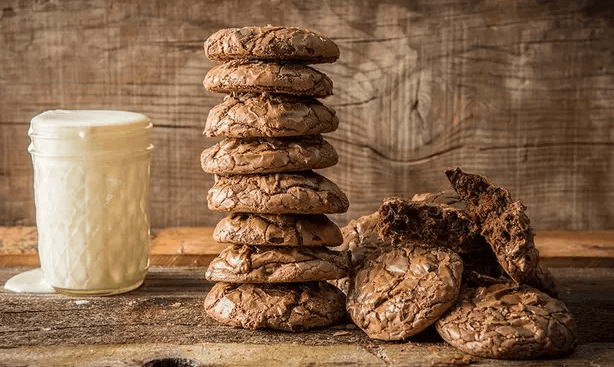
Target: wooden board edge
x=194, y=246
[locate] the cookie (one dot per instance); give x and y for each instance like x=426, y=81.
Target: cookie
x=430, y=224
x=289, y=307
x=272, y=264
x=278, y=230
x=277, y=193
x=259, y=77
x=474, y=276
x=509, y=322
x=543, y=280
x=401, y=291
x=360, y=238
x=271, y=43
x=246, y=115
x=448, y=197
x=503, y=223
x=268, y=155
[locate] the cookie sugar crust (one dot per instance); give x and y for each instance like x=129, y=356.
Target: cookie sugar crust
x=271, y=43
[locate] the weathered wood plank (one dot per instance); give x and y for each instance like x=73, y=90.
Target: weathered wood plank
x=194, y=246
x=519, y=91
x=233, y=354
x=164, y=318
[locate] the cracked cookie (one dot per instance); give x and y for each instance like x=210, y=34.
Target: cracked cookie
x=245, y=115
x=448, y=197
x=259, y=77
x=278, y=230
x=543, y=280
x=268, y=155
x=481, y=258
x=430, y=224
x=399, y=292
x=277, y=193
x=503, y=223
x=289, y=307
x=360, y=238
x=271, y=42
x=273, y=264
x=510, y=322
x=475, y=276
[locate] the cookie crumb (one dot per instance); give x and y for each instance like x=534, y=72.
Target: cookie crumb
x=341, y=333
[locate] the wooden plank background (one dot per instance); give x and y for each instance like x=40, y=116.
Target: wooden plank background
x=521, y=91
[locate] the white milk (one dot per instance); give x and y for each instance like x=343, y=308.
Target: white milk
x=91, y=178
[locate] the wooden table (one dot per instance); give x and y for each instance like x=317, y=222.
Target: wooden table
x=162, y=323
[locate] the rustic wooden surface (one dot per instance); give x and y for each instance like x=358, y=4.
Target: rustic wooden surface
x=520, y=91
x=164, y=318
x=194, y=246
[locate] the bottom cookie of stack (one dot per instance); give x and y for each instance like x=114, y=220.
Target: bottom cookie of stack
x=282, y=306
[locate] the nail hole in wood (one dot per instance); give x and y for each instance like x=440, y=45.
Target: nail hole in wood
x=171, y=362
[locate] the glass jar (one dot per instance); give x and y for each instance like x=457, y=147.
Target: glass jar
x=91, y=181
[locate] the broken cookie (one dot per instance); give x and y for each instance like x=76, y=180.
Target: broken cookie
x=503, y=223
x=430, y=224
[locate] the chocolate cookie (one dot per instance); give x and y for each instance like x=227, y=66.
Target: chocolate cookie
x=259, y=77
x=480, y=258
x=474, y=276
x=277, y=193
x=290, y=307
x=503, y=223
x=430, y=224
x=510, y=322
x=244, y=115
x=270, y=42
x=360, y=238
x=268, y=264
x=401, y=291
x=268, y=155
x=543, y=280
x=278, y=230
x=448, y=197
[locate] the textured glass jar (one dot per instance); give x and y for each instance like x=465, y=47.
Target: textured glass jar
x=91, y=180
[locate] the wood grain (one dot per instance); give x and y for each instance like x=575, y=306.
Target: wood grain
x=194, y=246
x=520, y=91
x=164, y=318
x=224, y=354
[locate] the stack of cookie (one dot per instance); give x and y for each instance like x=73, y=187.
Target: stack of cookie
x=273, y=273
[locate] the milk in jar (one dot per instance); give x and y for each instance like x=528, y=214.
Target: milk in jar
x=91, y=179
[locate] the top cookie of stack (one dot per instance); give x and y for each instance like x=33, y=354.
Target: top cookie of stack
x=271, y=43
